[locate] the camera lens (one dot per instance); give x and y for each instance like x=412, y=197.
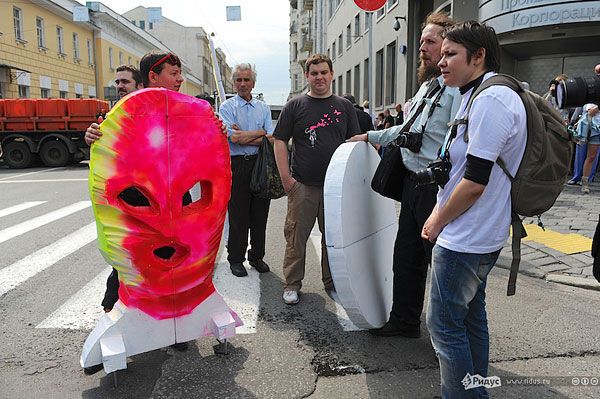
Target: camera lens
x=578, y=91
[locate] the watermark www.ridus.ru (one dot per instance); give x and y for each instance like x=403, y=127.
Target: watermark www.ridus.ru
x=474, y=381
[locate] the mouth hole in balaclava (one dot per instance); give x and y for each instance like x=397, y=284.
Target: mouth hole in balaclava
x=165, y=252
x=134, y=197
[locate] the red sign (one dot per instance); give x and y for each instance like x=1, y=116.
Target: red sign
x=370, y=5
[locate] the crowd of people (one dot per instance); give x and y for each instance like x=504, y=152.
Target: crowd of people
x=458, y=229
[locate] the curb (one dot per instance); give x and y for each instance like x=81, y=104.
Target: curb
x=531, y=270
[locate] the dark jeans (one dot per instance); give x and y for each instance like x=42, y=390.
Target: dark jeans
x=247, y=213
x=412, y=254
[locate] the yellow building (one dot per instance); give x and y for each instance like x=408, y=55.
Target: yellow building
x=43, y=53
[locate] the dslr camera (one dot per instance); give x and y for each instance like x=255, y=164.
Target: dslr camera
x=437, y=172
x=578, y=91
x=410, y=141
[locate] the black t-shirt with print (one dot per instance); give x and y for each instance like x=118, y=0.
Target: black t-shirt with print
x=318, y=126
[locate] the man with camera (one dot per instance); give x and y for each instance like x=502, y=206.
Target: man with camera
x=432, y=107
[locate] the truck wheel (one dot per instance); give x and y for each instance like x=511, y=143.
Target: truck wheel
x=54, y=153
x=17, y=155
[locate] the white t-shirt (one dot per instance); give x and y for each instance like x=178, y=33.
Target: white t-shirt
x=497, y=128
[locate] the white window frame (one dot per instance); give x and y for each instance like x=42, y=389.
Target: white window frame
x=76, y=46
x=90, y=51
x=41, y=32
x=111, y=64
x=348, y=36
x=120, y=58
x=60, y=37
x=18, y=22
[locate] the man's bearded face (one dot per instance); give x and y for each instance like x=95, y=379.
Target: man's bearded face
x=160, y=180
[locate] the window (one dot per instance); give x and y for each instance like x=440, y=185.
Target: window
x=44, y=93
x=348, y=82
x=391, y=3
x=150, y=25
x=329, y=53
x=331, y=8
x=128, y=60
x=120, y=58
x=366, y=79
x=90, y=51
x=390, y=73
x=111, y=64
x=39, y=27
x=295, y=52
x=76, y=46
x=380, y=13
x=77, y=95
x=340, y=89
x=62, y=94
x=18, y=20
x=357, y=25
x=379, y=78
x=60, y=40
x=357, y=83
x=340, y=45
x=368, y=18
x=348, y=36
x=142, y=24
x=23, y=91
x=333, y=52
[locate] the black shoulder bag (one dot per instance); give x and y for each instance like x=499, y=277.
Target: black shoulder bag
x=389, y=175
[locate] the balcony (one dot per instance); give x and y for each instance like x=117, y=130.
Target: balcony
x=293, y=28
x=308, y=5
x=306, y=44
x=294, y=4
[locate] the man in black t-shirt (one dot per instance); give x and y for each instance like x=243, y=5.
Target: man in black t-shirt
x=318, y=122
x=364, y=120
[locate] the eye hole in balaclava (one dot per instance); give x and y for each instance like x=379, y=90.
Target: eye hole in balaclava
x=132, y=196
x=199, y=196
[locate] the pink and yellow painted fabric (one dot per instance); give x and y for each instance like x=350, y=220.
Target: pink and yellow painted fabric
x=160, y=180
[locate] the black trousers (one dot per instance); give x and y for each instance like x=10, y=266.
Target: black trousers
x=111, y=296
x=247, y=214
x=412, y=254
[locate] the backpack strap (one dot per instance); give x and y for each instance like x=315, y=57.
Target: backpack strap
x=518, y=233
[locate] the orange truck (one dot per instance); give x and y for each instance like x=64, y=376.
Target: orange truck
x=51, y=130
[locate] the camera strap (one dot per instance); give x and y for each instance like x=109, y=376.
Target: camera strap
x=432, y=90
x=434, y=104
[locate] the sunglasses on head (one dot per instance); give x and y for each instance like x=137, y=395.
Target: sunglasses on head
x=171, y=58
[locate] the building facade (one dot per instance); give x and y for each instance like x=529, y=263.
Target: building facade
x=62, y=49
x=189, y=43
x=540, y=39
x=43, y=53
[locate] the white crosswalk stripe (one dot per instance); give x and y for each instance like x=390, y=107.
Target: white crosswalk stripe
x=24, y=269
x=20, y=207
x=22, y=228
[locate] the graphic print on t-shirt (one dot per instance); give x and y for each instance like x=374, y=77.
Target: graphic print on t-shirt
x=327, y=119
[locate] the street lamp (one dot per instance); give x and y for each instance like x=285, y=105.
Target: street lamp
x=397, y=23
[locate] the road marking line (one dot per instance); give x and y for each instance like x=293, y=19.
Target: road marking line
x=22, y=270
x=19, y=207
x=22, y=228
x=340, y=312
x=42, y=181
x=31, y=173
x=82, y=310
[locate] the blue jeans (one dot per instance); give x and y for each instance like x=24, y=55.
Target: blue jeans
x=457, y=320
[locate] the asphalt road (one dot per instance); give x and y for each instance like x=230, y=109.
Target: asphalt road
x=541, y=339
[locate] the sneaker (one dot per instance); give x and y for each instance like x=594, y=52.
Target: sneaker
x=585, y=189
x=573, y=182
x=290, y=297
x=238, y=269
x=260, y=266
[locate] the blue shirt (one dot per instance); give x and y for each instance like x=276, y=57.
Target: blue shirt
x=248, y=115
x=435, y=128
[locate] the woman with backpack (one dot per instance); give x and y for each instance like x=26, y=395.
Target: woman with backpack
x=470, y=222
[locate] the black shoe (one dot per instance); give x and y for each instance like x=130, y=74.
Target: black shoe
x=238, y=269
x=180, y=346
x=394, y=329
x=260, y=266
x=93, y=369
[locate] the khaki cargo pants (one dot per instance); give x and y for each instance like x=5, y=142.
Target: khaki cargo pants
x=305, y=204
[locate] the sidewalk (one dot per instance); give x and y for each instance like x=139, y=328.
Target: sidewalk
x=575, y=216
